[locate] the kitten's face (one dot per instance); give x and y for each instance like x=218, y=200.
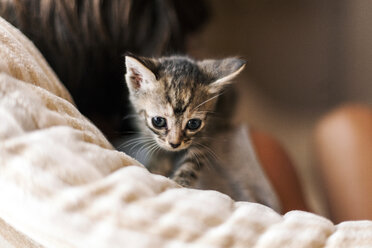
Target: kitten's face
x=174, y=115
x=175, y=95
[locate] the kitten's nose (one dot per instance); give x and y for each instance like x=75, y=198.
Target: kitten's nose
x=174, y=145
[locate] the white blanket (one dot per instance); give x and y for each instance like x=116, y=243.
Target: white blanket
x=63, y=186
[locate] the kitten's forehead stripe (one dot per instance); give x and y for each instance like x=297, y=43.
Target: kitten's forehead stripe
x=182, y=77
x=180, y=67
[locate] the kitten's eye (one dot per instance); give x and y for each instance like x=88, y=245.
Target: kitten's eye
x=159, y=122
x=193, y=124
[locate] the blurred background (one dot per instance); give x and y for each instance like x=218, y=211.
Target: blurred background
x=304, y=57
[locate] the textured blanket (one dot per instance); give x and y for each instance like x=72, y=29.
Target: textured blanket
x=62, y=185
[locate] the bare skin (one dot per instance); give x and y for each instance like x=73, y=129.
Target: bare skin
x=343, y=140
x=280, y=171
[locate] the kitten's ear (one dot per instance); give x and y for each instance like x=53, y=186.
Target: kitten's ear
x=222, y=71
x=139, y=76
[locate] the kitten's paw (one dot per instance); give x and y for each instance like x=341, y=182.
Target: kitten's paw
x=185, y=178
x=184, y=182
x=186, y=175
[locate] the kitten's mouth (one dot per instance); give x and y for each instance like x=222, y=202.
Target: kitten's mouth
x=173, y=147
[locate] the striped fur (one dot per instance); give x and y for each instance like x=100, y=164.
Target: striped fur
x=184, y=92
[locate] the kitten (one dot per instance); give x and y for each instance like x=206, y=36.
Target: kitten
x=175, y=99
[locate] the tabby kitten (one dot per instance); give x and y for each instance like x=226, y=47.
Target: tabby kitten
x=175, y=99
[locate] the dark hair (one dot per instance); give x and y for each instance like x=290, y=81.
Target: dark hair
x=84, y=40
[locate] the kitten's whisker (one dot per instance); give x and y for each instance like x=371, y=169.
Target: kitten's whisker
x=134, y=144
x=135, y=132
x=138, y=152
x=132, y=141
x=210, y=99
x=129, y=117
x=126, y=144
x=129, y=143
x=209, y=150
x=151, y=148
x=155, y=151
x=196, y=158
x=135, y=138
x=144, y=146
x=207, y=160
x=148, y=149
x=210, y=138
x=140, y=137
x=206, y=111
x=211, y=160
x=218, y=117
x=137, y=144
